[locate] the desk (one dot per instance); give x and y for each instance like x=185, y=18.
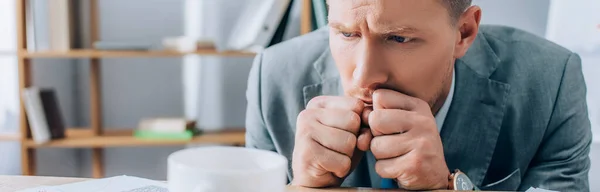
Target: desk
x=14, y=183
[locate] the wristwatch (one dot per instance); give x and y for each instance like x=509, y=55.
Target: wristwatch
x=459, y=181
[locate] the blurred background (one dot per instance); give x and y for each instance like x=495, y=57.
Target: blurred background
x=206, y=88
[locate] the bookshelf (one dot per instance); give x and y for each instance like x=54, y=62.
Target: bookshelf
x=83, y=138
x=90, y=53
x=96, y=136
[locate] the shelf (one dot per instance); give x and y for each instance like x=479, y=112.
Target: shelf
x=88, y=53
x=84, y=138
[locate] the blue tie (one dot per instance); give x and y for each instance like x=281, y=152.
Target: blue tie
x=388, y=184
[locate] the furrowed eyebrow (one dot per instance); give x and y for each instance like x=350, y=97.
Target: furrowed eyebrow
x=385, y=30
x=397, y=29
x=339, y=26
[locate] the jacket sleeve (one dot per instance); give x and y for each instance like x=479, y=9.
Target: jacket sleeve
x=562, y=162
x=257, y=135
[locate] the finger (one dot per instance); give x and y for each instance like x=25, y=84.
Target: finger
x=365, y=115
x=337, y=163
x=389, y=99
x=391, y=121
x=390, y=146
x=391, y=168
x=364, y=139
x=335, y=139
x=336, y=102
x=337, y=118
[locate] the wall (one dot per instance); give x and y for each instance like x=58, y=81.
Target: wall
x=214, y=87
x=530, y=16
x=136, y=88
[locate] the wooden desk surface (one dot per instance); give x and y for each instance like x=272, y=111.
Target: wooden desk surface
x=14, y=183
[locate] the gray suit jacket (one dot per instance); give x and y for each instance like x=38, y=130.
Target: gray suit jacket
x=518, y=118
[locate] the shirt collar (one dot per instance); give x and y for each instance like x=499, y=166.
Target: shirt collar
x=440, y=117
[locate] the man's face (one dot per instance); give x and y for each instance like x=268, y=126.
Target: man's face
x=404, y=45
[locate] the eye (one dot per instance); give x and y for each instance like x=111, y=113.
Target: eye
x=347, y=34
x=399, y=39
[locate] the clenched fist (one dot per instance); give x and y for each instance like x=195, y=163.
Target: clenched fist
x=406, y=142
x=329, y=141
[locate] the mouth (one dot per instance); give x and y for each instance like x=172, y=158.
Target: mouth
x=368, y=102
x=363, y=94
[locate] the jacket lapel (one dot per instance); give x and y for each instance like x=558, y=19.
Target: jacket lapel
x=330, y=81
x=473, y=124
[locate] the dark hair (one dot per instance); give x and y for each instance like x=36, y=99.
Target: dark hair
x=456, y=7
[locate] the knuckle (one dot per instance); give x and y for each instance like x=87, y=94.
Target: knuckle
x=354, y=121
x=302, y=122
x=421, y=120
x=376, y=147
x=418, y=102
x=357, y=105
x=305, y=115
x=410, y=171
x=389, y=171
x=416, y=165
x=346, y=164
x=422, y=143
x=380, y=169
x=300, y=159
x=316, y=101
x=375, y=119
x=350, y=143
x=376, y=96
x=408, y=181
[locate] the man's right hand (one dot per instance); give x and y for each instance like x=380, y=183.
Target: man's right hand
x=329, y=141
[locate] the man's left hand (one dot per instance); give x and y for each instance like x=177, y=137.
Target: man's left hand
x=406, y=142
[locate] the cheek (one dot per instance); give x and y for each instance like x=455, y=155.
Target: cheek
x=342, y=54
x=420, y=72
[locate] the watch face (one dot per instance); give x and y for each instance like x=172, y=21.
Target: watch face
x=462, y=182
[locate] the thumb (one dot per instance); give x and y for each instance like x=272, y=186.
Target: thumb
x=363, y=142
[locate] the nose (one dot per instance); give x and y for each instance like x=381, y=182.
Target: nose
x=371, y=70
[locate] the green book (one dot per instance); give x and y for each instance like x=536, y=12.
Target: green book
x=319, y=13
x=144, y=134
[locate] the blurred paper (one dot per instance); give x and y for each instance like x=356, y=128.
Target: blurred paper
x=113, y=184
x=533, y=189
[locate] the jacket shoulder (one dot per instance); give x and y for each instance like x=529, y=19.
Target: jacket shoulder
x=522, y=53
x=291, y=63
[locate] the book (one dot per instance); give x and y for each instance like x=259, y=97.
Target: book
x=168, y=125
x=166, y=129
x=43, y=114
x=292, y=29
x=149, y=134
x=319, y=13
x=40, y=30
x=30, y=25
x=279, y=34
x=257, y=25
x=60, y=24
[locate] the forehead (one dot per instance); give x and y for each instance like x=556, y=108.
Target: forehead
x=418, y=14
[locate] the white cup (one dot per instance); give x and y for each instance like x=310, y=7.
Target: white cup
x=210, y=169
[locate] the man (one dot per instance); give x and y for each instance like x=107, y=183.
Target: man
x=401, y=93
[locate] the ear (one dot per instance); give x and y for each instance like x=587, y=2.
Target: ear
x=468, y=27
